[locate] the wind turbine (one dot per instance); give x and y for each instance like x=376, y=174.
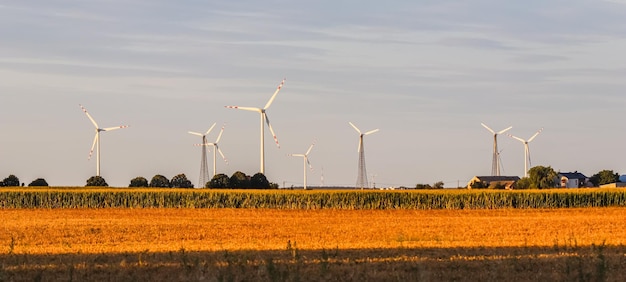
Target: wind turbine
x=526, y=149
x=96, y=139
x=216, y=149
x=495, y=164
x=265, y=119
x=361, y=180
x=204, y=169
x=305, y=157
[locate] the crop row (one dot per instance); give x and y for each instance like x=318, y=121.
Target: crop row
x=279, y=199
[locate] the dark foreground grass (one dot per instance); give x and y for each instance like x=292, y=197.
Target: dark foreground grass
x=557, y=263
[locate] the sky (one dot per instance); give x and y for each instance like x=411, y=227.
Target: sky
x=426, y=73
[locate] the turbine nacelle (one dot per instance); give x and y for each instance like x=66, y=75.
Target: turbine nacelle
x=361, y=134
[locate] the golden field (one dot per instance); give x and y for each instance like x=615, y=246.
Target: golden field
x=290, y=245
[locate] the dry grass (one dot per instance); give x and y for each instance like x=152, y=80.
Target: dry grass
x=248, y=244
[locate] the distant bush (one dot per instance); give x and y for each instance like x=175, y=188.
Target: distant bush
x=38, y=182
x=96, y=181
x=159, y=181
x=10, y=181
x=138, y=182
x=239, y=180
x=259, y=181
x=180, y=181
x=219, y=181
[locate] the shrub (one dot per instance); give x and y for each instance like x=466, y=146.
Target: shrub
x=180, y=181
x=159, y=181
x=138, y=182
x=96, y=181
x=219, y=181
x=239, y=180
x=38, y=182
x=259, y=181
x=10, y=181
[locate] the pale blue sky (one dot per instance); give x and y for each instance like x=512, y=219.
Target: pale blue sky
x=427, y=73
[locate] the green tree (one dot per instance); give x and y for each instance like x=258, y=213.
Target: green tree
x=499, y=185
x=159, y=181
x=604, y=177
x=180, y=181
x=138, y=182
x=423, y=186
x=479, y=185
x=239, y=180
x=38, y=182
x=10, y=181
x=273, y=185
x=542, y=177
x=259, y=181
x=438, y=185
x=219, y=181
x=523, y=183
x=96, y=181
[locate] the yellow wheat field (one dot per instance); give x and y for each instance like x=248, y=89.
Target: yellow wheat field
x=41, y=231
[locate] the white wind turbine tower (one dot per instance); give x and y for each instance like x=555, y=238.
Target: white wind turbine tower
x=495, y=164
x=204, y=169
x=526, y=150
x=361, y=180
x=305, y=158
x=96, y=139
x=265, y=119
x=216, y=149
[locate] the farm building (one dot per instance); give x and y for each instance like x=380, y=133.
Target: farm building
x=572, y=180
x=614, y=185
x=506, y=182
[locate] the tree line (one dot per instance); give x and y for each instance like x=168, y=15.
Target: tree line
x=12, y=181
x=238, y=180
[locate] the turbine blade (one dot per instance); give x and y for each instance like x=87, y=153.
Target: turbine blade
x=515, y=137
x=95, y=139
x=244, y=108
x=537, y=133
x=487, y=127
x=371, y=131
x=355, y=128
x=114, y=128
x=267, y=120
x=195, y=133
x=296, y=155
x=310, y=148
x=207, y=132
x=309, y=163
x=505, y=130
x=529, y=161
x=220, y=135
x=89, y=116
x=269, y=103
x=221, y=154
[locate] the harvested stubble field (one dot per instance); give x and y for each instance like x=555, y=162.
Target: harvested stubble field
x=312, y=245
